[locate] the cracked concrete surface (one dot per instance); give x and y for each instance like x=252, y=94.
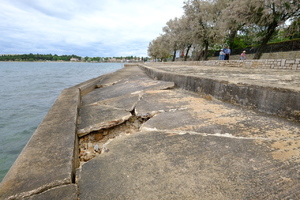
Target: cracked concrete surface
x=109, y=111
x=140, y=138
x=188, y=146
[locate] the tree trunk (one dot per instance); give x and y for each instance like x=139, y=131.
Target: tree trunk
x=198, y=56
x=270, y=31
x=231, y=38
x=187, y=52
x=174, y=55
x=205, y=53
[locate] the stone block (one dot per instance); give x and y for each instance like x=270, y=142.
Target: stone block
x=283, y=62
x=290, y=61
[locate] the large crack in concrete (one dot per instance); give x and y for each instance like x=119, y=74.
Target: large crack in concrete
x=94, y=137
x=95, y=142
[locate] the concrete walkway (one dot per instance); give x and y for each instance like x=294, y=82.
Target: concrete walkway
x=146, y=139
x=188, y=132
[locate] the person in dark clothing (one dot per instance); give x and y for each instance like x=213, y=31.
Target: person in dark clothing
x=227, y=52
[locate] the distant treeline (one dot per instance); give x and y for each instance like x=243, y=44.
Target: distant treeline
x=36, y=57
x=50, y=57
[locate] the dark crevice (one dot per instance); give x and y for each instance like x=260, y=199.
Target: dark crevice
x=95, y=143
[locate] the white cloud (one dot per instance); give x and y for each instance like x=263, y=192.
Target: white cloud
x=91, y=28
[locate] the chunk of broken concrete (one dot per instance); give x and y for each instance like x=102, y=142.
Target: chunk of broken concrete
x=159, y=101
x=97, y=117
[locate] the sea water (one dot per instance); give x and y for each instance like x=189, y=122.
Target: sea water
x=27, y=92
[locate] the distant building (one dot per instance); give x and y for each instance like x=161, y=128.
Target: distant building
x=74, y=59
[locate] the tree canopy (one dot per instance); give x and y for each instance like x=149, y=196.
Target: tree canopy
x=212, y=24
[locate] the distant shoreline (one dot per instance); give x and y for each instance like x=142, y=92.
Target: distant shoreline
x=61, y=61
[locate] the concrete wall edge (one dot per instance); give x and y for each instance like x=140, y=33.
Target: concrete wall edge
x=275, y=101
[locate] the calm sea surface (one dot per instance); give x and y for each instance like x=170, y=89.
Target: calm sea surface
x=28, y=90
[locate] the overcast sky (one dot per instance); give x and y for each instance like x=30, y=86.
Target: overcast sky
x=93, y=28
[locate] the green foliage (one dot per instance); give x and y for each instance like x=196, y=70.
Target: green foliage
x=214, y=24
x=49, y=57
x=36, y=57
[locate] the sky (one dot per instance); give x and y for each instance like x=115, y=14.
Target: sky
x=93, y=28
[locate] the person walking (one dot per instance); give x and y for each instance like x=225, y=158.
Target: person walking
x=243, y=55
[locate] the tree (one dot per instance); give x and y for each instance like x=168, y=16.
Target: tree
x=185, y=35
x=265, y=16
x=86, y=59
x=293, y=30
x=171, y=31
x=229, y=24
x=159, y=48
x=202, y=16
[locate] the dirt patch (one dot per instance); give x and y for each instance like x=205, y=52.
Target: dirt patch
x=286, y=150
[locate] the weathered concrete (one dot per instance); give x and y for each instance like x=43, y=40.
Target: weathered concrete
x=65, y=192
x=271, y=91
x=97, y=117
x=194, y=147
x=127, y=81
x=170, y=143
x=286, y=64
x=48, y=159
x=166, y=165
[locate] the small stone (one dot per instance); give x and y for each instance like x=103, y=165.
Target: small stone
x=96, y=148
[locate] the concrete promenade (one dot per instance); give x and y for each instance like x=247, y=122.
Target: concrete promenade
x=188, y=132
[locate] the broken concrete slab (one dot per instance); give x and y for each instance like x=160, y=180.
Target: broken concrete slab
x=196, y=148
x=97, y=117
x=124, y=88
x=65, y=192
x=157, y=101
x=132, y=81
x=156, y=165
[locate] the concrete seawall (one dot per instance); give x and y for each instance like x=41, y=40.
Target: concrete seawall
x=50, y=158
x=286, y=64
x=165, y=142
x=279, y=96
